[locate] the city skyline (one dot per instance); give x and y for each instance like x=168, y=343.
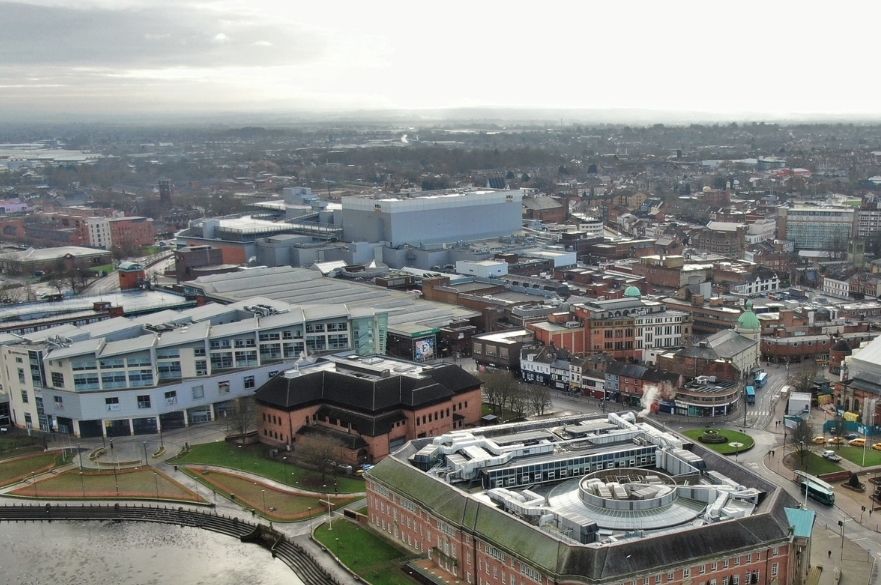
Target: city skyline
x=102, y=58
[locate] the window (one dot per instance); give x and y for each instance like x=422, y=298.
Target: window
x=201, y=368
x=24, y=397
x=686, y=573
x=249, y=381
x=58, y=379
x=144, y=401
x=59, y=401
x=198, y=392
x=171, y=397
x=27, y=420
x=223, y=387
x=112, y=403
x=774, y=569
x=21, y=375
x=199, y=352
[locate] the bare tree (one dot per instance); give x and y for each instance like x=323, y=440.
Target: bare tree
x=245, y=417
x=802, y=437
x=518, y=401
x=498, y=389
x=837, y=429
x=539, y=399
x=320, y=454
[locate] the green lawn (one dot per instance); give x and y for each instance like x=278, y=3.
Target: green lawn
x=372, y=557
x=252, y=459
x=855, y=454
x=105, y=268
x=13, y=445
x=723, y=448
x=150, y=250
x=816, y=465
x=271, y=503
x=103, y=484
x=17, y=469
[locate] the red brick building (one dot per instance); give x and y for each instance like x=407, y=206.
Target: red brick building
x=132, y=232
x=492, y=536
x=366, y=407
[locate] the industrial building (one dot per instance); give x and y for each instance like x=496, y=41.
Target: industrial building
x=586, y=500
x=452, y=216
x=129, y=376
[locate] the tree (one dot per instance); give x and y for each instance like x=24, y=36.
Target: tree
x=802, y=437
x=539, y=399
x=803, y=381
x=837, y=429
x=320, y=453
x=518, y=402
x=497, y=389
x=245, y=417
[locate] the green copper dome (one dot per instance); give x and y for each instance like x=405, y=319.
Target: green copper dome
x=748, y=319
x=632, y=291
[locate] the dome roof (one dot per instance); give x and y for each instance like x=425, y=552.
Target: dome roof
x=748, y=320
x=632, y=291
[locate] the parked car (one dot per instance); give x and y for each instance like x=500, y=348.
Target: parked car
x=877, y=446
x=831, y=455
x=837, y=441
x=859, y=442
x=819, y=440
x=852, y=436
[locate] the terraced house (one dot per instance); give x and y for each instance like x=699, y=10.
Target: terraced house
x=169, y=369
x=583, y=499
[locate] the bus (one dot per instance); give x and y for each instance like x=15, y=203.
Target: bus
x=816, y=488
x=761, y=379
x=750, y=395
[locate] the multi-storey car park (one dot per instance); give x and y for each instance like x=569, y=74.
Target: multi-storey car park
x=129, y=376
x=586, y=499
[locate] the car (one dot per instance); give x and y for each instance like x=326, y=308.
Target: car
x=819, y=440
x=877, y=446
x=859, y=442
x=836, y=441
x=852, y=436
x=831, y=455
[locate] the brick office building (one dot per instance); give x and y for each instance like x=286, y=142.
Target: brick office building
x=369, y=406
x=514, y=504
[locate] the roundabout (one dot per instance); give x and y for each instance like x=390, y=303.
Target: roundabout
x=723, y=441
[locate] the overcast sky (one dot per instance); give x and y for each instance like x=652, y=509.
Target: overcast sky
x=776, y=58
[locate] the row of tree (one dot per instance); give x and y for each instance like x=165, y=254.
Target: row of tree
x=509, y=398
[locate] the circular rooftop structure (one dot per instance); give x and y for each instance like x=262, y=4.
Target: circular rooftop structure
x=625, y=499
x=632, y=292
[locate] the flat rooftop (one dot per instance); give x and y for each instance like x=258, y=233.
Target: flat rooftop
x=588, y=480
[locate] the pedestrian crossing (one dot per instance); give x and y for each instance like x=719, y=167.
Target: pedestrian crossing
x=757, y=413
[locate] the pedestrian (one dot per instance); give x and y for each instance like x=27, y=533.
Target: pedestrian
x=829, y=554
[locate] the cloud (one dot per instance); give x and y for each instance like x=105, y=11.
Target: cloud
x=147, y=36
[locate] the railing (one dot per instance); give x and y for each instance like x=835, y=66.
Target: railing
x=292, y=554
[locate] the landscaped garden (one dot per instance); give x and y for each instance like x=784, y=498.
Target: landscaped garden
x=19, y=444
x=253, y=459
x=724, y=441
x=373, y=558
x=272, y=503
x=19, y=468
x=137, y=483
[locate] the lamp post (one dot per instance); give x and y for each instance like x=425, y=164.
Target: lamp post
x=156, y=480
x=329, y=509
x=801, y=449
x=83, y=484
x=866, y=435
x=80, y=453
x=263, y=493
x=34, y=483
x=841, y=526
x=146, y=461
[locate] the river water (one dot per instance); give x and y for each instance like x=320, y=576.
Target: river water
x=132, y=553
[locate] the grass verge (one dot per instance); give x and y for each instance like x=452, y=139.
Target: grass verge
x=140, y=483
x=365, y=553
x=253, y=459
x=19, y=468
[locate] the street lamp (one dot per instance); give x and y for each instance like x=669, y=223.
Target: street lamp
x=83, y=484
x=79, y=451
x=329, y=509
x=156, y=480
x=801, y=447
x=263, y=493
x=146, y=461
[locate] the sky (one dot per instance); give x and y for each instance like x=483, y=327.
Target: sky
x=740, y=58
